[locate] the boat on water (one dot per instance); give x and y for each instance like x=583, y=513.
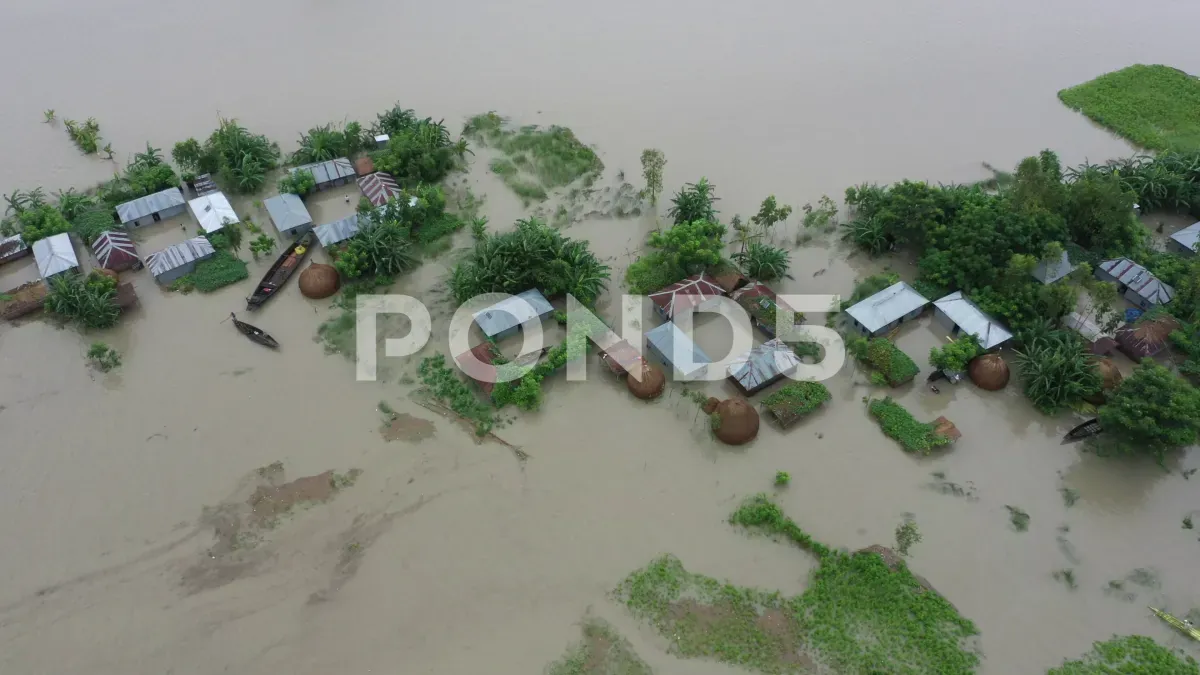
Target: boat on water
x=1182, y=626
x=280, y=272
x=255, y=333
x=1088, y=428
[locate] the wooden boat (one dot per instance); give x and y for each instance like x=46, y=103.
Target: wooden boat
x=255, y=333
x=1182, y=626
x=280, y=272
x=1088, y=428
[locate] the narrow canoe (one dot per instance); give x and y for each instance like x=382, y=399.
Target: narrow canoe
x=1185, y=628
x=280, y=272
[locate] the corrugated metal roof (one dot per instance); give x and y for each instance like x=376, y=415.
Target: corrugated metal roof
x=759, y=366
x=691, y=292
x=1139, y=280
x=54, y=254
x=287, y=211
x=1188, y=236
x=178, y=255
x=673, y=343
x=513, y=311
x=144, y=206
x=378, y=188
x=1084, y=326
x=337, y=231
x=114, y=249
x=886, y=306
x=11, y=246
x=1050, y=272
x=968, y=317
x=213, y=211
x=329, y=171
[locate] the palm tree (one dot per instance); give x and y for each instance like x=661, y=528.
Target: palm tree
x=461, y=149
x=151, y=157
x=17, y=203
x=108, y=150
x=49, y=113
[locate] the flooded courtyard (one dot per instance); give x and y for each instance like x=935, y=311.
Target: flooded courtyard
x=193, y=511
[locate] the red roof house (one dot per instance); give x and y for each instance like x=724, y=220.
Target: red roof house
x=695, y=292
x=114, y=251
x=378, y=188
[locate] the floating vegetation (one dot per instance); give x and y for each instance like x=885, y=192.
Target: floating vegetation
x=452, y=392
x=1067, y=576
x=1129, y=654
x=102, y=357
x=1187, y=522
x=899, y=424
x=782, y=478
x=795, y=400
x=1018, y=517
x=860, y=614
x=1116, y=589
x=86, y=136
x=601, y=652
x=1155, y=107
x=1145, y=577
x=947, y=487
x=907, y=534
x=536, y=160
x=1069, y=495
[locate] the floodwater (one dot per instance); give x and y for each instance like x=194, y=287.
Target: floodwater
x=118, y=491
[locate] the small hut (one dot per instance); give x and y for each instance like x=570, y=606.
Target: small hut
x=738, y=422
x=319, y=281
x=55, y=254
x=1110, y=378
x=114, y=250
x=673, y=348
x=650, y=384
x=1146, y=337
x=762, y=366
x=486, y=353
x=329, y=173
x=761, y=303
x=289, y=214
x=378, y=188
x=620, y=357
x=506, y=317
x=698, y=292
x=164, y=204
x=13, y=248
x=989, y=371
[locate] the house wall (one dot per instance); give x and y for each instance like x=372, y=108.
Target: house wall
x=295, y=232
x=334, y=183
x=1136, y=299
x=171, y=275
x=156, y=217
x=943, y=321
x=1179, y=248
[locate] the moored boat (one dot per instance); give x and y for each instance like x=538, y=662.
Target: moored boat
x=280, y=272
x=1184, y=627
x=1088, y=428
x=255, y=333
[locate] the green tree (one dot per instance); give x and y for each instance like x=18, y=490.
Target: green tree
x=694, y=203
x=1099, y=214
x=1056, y=370
x=1151, y=411
x=957, y=354
x=653, y=162
x=41, y=222
x=692, y=246
x=763, y=262
x=298, y=182
x=191, y=156
x=770, y=213
x=89, y=302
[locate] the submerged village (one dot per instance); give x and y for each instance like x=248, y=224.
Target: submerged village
x=1056, y=308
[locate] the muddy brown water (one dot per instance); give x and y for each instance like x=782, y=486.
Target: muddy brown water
x=450, y=556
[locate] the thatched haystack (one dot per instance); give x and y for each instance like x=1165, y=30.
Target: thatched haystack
x=651, y=383
x=989, y=371
x=710, y=406
x=319, y=281
x=945, y=428
x=738, y=422
x=1147, y=337
x=1110, y=378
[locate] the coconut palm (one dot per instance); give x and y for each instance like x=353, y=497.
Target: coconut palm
x=71, y=203
x=151, y=157
x=461, y=150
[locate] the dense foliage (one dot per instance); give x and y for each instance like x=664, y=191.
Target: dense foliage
x=1056, y=369
x=217, y=272
x=683, y=250
x=956, y=354
x=1151, y=411
x=694, y=203
x=538, y=159
x=382, y=247
x=799, y=398
x=1130, y=654
x=102, y=357
x=418, y=150
x=298, y=182
x=326, y=142
x=899, y=424
x=1155, y=107
x=884, y=358
x=526, y=392
x=241, y=158
x=88, y=301
x=444, y=384
x=763, y=261
x=92, y=223
x=533, y=255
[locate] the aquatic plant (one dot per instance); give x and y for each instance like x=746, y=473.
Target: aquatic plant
x=263, y=243
x=86, y=136
x=443, y=383
x=763, y=262
x=907, y=534
x=88, y=301
x=103, y=357
x=653, y=163
x=217, y=272
x=49, y=115
x=1069, y=495
x=782, y=479
x=552, y=157
x=1067, y=576
x=299, y=182
x=1187, y=522
x=1129, y=654
x=1018, y=517
x=602, y=651
x=694, y=202
x=1154, y=106
x=899, y=424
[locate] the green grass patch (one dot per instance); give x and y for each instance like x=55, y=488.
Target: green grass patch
x=602, y=651
x=503, y=167
x=1129, y=654
x=1155, y=107
x=445, y=386
x=219, y=271
x=552, y=157
x=899, y=424
x=528, y=191
x=890, y=366
x=795, y=400
x=859, y=615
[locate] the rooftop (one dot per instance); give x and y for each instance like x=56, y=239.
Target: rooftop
x=337, y=231
x=287, y=211
x=144, y=206
x=763, y=364
x=1139, y=280
x=329, y=171
x=54, y=254
x=513, y=311
x=212, y=211
x=691, y=292
x=1188, y=236
x=178, y=255
x=674, y=344
x=378, y=188
x=968, y=317
x=1052, y=271
x=114, y=249
x=11, y=246
x=886, y=306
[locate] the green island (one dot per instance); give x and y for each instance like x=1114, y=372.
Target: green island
x=1154, y=107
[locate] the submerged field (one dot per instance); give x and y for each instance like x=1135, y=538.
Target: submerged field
x=1154, y=107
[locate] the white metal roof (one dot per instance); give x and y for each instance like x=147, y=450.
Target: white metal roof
x=54, y=254
x=886, y=306
x=1139, y=280
x=329, y=171
x=513, y=311
x=212, y=211
x=177, y=255
x=1188, y=236
x=144, y=206
x=968, y=317
x=674, y=344
x=1052, y=271
x=763, y=364
x=337, y=231
x=287, y=211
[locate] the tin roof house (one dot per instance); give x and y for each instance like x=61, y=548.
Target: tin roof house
x=288, y=214
x=114, y=250
x=762, y=366
x=1098, y=341
x=761, y=303
x=957, y=314
x=698, y=292
x=505, y=317
x=1051, y=271
x=213, y=212
x=887, y=309
x=337, y=231
x=330, y=173
x=674, y=349
x=55, y=255
x=13, y=248
x=378, y=188
x=1147, y=337
x=151, y=208
x=179, y=259
x=1184, y=241
x=1135, y=282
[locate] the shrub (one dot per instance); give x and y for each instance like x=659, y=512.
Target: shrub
x=782, y=479
x=884, y=358
x=1156, y=107
x=219, y=271
x=694, y=203
x=89, y=302
x=797, y=399
x=1152, y=411
x=899, y=424
x=764, y=262
x=957, y=354
x=446, y=387
x=1056, y=369
x=1130, y=654
x=103, y=357
x=298, y=182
